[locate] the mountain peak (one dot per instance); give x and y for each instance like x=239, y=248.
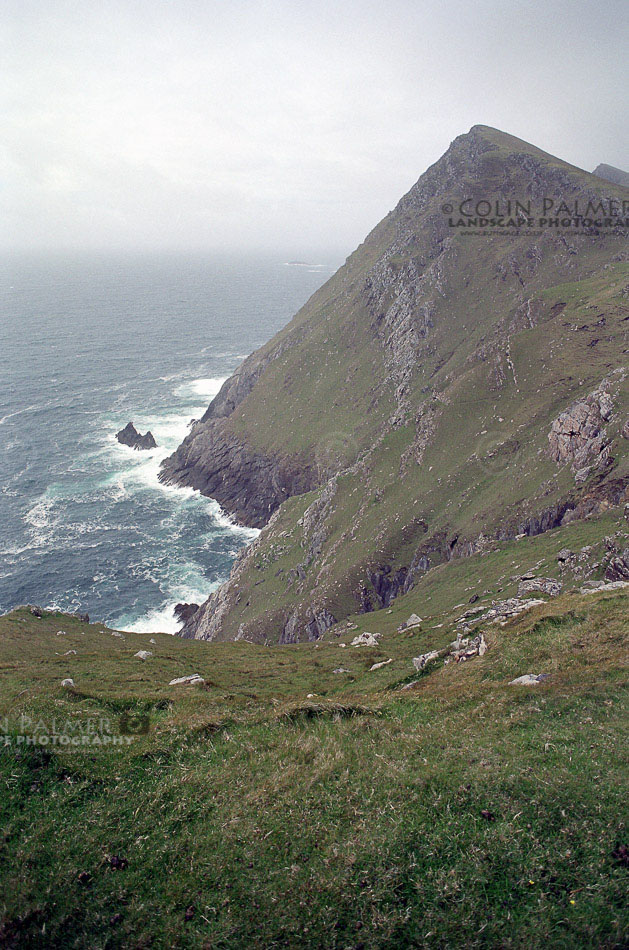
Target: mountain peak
x=402, y=418
x=613, y=174
x=504, y=143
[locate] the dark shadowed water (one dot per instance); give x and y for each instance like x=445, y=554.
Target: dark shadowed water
x=85, y=346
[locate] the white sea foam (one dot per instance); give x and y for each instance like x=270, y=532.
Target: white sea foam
x=222, y=518
x=39, y=514
x=162, y=619
x=141, y=469
x=208, y=387
x=159, y=620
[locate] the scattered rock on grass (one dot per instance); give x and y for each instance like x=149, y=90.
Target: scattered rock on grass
x=504, y=610
x=614, y=585
x=377, y=666
x=419, y=662
x=529, y=679
x=193, y=680
x=413, y=621
x=143, y=654
x=464, y=648
x=68, y=683
x=366, y=640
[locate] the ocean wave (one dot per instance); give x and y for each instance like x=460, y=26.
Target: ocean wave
x=89, y=521
x=114, y=487
x=20, y=412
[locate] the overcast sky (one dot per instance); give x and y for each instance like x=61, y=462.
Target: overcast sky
x=287, y=124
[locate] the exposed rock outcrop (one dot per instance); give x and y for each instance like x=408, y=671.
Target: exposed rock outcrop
x=249, y=484
x=419, y=662
x=313, y=624
x=504, y=610
x=366, y=639
x=184, y=612
x=617, y=563
x=542, y=585
x=465, y=648
x=604, y=588
x=578, y=436
x=413, y=621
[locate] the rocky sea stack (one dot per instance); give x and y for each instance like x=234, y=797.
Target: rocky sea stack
x=131, y=437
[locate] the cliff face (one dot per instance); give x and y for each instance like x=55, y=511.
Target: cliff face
x=403, y=417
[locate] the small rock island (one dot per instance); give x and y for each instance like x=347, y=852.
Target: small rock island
x=131, y=437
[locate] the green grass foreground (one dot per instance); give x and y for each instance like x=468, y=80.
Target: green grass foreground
x=463, y=812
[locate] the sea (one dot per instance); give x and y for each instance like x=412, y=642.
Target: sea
x=89, y=342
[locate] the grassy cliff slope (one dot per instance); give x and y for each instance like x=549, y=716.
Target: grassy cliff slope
x=443, y=391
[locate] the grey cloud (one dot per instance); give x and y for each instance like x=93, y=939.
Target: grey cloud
x=274, y=124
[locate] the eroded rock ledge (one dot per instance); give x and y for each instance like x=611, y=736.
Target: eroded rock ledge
x=248, y=484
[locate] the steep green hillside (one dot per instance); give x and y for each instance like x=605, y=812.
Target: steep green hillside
x=445, y=390
x=300, y=798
